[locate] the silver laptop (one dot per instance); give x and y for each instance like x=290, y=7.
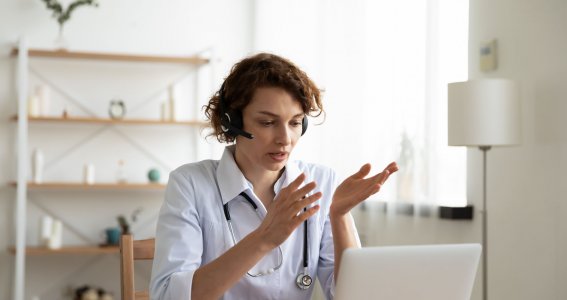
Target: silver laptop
x=436, y=272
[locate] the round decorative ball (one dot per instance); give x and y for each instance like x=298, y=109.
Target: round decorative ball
x=153, y=175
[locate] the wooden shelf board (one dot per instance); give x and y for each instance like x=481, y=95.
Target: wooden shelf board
x=194, y=60
x=112, y=121
x=80, y=250
x=96, y=186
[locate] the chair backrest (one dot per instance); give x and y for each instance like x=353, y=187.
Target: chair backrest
x=131, y=250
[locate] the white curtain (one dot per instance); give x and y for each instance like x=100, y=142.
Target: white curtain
x=384, y=66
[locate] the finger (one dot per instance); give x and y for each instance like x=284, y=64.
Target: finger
x=373, y=190
x=385, y=176
x=392, y=167
x=379, y=178
x=296, y=183
x=306, y=215
x=300, y=193
x=299, y=205
x=364, y=170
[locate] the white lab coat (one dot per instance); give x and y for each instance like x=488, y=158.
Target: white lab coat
x=192, y=231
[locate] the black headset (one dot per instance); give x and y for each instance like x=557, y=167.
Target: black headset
x=231, y=121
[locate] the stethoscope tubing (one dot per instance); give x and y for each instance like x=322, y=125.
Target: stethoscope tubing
x=302, y=276
x=230, y=228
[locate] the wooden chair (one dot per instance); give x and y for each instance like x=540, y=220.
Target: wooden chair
x=131, y=250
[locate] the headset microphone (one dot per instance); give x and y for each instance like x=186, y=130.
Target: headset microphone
x=231, y=130
x=243, y=133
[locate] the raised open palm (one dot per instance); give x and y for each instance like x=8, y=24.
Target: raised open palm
x=357, y=188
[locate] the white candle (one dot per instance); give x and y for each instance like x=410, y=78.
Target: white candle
x=43, y=94
x=171, y=100
x=89, y=174
x=46, y=227
x=33, y=106
x=37, y=166
x=56, y=238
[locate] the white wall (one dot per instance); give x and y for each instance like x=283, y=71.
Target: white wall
x=526, y=185
x=177, y=27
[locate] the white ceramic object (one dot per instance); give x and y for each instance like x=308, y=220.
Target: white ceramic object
x=89, y=174
x=37, y=166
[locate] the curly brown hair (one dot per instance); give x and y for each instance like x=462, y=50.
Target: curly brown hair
x=261, y=70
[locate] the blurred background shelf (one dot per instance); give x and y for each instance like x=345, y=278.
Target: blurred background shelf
x=71, y=77
x=193, y=60
x=78, y=250
x=112, y=121
x=96, y=186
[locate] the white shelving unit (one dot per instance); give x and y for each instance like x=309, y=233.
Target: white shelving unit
x=23, y=53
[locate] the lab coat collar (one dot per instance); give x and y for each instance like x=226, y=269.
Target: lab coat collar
x=230, y=179
x=232, y=182
x=291, y=172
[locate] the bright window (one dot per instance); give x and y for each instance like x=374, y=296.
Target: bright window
x=384, y=66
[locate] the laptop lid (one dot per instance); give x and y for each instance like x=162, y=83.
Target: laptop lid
x=436, y=272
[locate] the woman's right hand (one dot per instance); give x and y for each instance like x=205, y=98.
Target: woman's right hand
x=286, y=212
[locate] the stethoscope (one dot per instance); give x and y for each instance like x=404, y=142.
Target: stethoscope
x=303, y=280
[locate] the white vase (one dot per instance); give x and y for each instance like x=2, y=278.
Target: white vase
x=60, y=41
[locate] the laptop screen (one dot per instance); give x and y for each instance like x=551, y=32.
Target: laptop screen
x=439, y=272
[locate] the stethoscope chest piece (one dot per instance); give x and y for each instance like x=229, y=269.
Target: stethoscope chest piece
x=304, y=281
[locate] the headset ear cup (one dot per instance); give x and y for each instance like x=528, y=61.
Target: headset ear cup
x=236, y=120
x=231, y=125
x=304, y=124
x=224, y=122
x=225, y=118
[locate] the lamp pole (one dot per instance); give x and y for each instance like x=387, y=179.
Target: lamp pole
x=484, y=149
x=484, y=113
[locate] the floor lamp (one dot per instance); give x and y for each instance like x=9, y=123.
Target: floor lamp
x=484, y=113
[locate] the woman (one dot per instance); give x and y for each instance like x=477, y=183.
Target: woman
x=255, y=225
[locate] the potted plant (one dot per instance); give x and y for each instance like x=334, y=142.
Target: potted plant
x=123, y=221
x=63, y=15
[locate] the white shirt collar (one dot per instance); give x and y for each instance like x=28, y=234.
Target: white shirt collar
x=232, y=182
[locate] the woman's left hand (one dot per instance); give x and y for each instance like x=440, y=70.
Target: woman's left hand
x=357, y=188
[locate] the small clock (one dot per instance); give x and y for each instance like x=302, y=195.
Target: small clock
x=117, y=109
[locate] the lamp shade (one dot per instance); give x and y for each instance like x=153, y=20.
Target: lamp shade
x=484, y=112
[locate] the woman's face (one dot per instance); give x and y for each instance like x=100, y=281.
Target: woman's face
x=274, y=117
